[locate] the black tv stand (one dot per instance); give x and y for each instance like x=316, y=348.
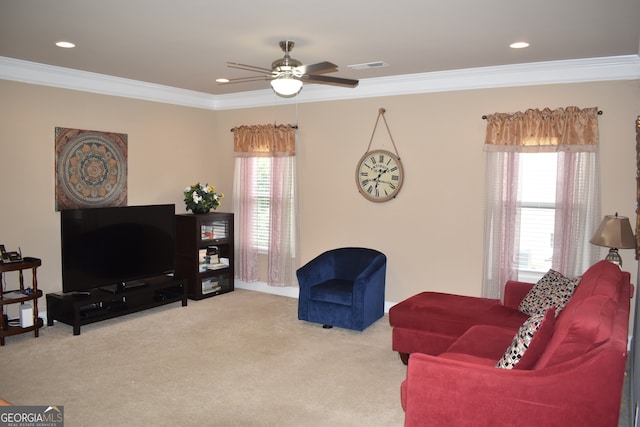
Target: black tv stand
x=96, y=304
x=124, y=286
x=79, y=293
x=134, y=284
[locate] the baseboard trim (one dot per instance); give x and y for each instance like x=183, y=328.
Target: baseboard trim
x=285, y=291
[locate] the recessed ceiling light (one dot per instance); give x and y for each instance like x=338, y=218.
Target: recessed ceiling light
x=519, y=45
x=66, y=45
x=222, y=80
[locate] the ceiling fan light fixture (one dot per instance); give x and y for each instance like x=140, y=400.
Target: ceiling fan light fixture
x=286, y=86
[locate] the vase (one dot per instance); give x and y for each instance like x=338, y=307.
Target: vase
x=199, y=211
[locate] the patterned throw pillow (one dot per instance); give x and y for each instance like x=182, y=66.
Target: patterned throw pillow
x=552, y=290
x=529, y=342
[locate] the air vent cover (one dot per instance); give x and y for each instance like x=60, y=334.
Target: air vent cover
x=376, y=64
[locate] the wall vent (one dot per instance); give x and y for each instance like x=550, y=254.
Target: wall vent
x=376, y=64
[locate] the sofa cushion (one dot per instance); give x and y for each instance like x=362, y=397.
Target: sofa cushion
x=469, y=358
x=336, y=291
x=587, y=320
x=485, y=341
x=602, y=278
x=552, y=290
x=529, y=342
x=583, y=326
x=451, y=315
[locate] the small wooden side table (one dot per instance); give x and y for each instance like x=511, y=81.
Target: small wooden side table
x=21, y=296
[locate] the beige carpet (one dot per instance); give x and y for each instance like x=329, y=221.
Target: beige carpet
x=238, y=359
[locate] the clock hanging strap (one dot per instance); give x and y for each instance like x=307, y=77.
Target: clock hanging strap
x=381, y=112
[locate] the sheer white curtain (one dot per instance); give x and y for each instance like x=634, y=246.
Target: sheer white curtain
x=282, y=223
x=500, y=247
x=577, y=212
x=244, y=207
x=276, y=144
x=573, y=134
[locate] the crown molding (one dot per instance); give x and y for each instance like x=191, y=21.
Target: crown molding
x=67, y=78
x=625, y=67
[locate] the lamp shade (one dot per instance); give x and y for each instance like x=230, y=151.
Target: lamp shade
x=614, y=232
x=286, y=86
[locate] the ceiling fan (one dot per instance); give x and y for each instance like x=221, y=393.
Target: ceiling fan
x=287, y=74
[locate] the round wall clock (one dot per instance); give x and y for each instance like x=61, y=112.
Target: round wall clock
x=379, y=175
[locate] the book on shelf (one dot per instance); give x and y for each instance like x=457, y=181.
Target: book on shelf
x=212, y=254
x=208, y=259
x=202, y=260
x=216, y=266
x=209, y=286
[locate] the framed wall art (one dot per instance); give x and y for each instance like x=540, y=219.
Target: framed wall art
x=91, y=168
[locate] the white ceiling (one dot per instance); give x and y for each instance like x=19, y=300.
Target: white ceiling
x=186, y=43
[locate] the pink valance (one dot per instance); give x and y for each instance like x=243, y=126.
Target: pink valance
x=264, y=141
x=563, y=129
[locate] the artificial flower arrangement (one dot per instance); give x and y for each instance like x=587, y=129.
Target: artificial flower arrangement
x=201, y=198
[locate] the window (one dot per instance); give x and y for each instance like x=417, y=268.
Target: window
x=265, y=204
x=262, y=201
x=265, y=222
x=542, y=194
x=262, y=195
x=535, y=214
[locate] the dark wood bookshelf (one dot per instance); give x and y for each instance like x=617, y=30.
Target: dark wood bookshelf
x=195, y=233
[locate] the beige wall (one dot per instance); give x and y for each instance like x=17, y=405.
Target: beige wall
x=432, y=233
x=169, y=147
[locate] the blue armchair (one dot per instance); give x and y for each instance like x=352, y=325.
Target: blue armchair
x=343, y=287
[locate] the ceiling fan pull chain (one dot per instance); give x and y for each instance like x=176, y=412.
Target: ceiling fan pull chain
x=381, y=112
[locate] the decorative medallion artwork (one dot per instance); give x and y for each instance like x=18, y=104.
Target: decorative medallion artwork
x=91, y=169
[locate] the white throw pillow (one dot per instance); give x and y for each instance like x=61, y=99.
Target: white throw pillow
x=552, y=290
x=529, y=342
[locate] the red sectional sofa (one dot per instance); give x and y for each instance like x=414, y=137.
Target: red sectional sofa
x=573, y=376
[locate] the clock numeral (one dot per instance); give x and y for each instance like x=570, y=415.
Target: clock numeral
x=370, y=189
x=395, y=177
x=364, y=173
x=381, y=158
x=393, y=169
x=364, y=182
x=393, y=187
x=373, y=160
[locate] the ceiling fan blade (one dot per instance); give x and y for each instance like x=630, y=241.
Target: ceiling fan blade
x=246, y=80
x=327, y=80
x=319, y=68
x=249, y=68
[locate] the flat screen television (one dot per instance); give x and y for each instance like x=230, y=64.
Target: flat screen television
x=114, y=247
